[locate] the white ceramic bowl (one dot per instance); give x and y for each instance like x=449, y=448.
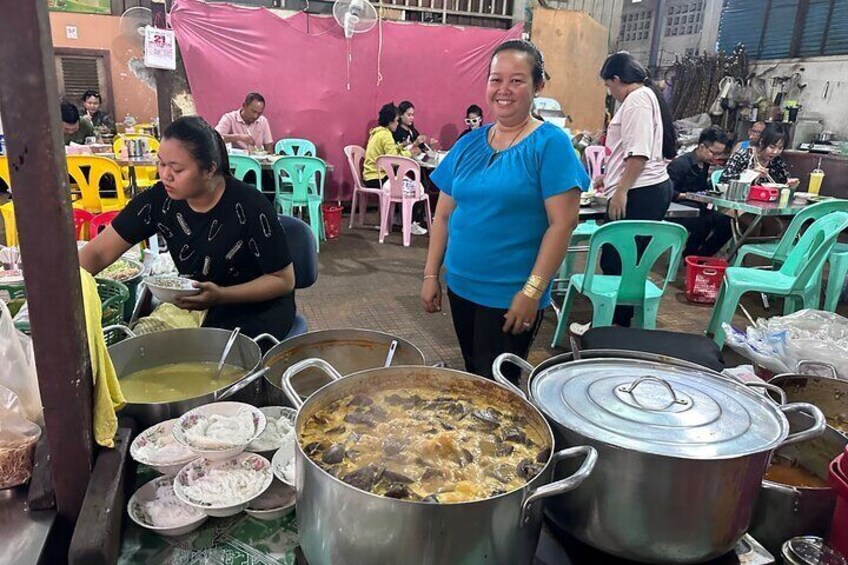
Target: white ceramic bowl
x=251, y=464
x=168, y=288
x=279, y=500
x=157, y=437
x=191, y=418
x=271, y=413
x=280, y=462
x=147, y=493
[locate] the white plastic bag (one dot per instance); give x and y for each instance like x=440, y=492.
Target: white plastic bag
x=17, y=367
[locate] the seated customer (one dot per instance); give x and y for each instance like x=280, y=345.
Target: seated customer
x=246, y=127
x=689, y=173
x=754, y=133
x=473, y=119
x=75, y=129
x=381, y=142
x=764, y=159
x=406, y=134
x=92, y=103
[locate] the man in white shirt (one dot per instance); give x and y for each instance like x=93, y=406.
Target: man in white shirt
x=246, y=127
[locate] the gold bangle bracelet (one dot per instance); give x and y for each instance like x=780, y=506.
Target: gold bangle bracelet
x=532, y=292
x=430, y=277
x=537, y=281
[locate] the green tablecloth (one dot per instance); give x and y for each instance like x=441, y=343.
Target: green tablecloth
x=239, y=540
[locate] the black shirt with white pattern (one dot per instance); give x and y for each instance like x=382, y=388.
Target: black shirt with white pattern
x=237, y=241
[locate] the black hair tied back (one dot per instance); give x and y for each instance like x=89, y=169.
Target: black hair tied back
x=523, y=46
x=204, y=143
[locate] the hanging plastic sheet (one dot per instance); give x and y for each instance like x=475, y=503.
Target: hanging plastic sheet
x=301, y=65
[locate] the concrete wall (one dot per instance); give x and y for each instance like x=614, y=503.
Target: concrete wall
x=133, y=88
x=819, y=74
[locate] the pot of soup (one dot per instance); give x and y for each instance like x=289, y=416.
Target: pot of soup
x=348, y=350
x=165, y=374
x=682, y=452
x=795, y=498
x=422, y=465
x=829, y=393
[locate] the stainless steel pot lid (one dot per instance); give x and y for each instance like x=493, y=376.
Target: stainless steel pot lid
x=658, y=408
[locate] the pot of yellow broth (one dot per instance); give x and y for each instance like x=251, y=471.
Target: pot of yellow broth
x=165, y=374
x=415, y=464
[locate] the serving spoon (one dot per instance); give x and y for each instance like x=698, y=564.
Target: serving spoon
x=230, y=342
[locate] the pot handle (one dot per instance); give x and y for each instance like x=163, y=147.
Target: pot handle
x=228, y=392
x=629, y=389
x=813, y=431
x=563, y=485
x=121, y=328
x=497, y=370
x=300, y=366
x=269, y=337
x=807, y=363
x=781, y=394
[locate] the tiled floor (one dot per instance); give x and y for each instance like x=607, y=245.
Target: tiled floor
x=364, y=284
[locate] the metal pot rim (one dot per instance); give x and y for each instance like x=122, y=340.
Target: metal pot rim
x=366, y=372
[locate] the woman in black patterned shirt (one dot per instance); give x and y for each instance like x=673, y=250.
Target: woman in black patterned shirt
x=220, y=232
x=765, y=159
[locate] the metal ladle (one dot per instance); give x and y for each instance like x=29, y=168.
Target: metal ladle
x=230, y=342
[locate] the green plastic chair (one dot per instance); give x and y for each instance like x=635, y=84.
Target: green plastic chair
x=241, y=165
x=797, y=280
x=632, y=287
x=778, y=251
x=299, y=182
x=293, y=147
x=715, y=176
x=581, y=234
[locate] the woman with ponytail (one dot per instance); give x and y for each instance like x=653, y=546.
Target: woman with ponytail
x=640, y=140
x=220, y=232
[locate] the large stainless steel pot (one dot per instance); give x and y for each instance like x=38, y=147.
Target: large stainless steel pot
x=681, y=453
x=348, y=350
x=339, y=524
x=181, y=346
x=783, y=512
x=830, y=394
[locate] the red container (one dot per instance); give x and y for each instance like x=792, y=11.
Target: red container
x=838, y=537
x=332, y=220
x=703, y=278
x=842, y=463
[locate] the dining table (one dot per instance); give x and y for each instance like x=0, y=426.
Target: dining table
x=735, y=208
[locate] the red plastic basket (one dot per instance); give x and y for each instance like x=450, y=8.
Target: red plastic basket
x=838, y=537
x=332, y=220
x=703, y=278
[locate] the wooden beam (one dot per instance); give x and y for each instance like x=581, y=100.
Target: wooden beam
x=164, y=79
x=43, y=212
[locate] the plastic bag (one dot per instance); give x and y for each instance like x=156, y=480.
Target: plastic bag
x=18, y=437
x=779, y=343
x=17, y=367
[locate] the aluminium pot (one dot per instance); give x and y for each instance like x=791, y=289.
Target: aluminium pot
x=830, y=394
x=348, y=350
x=339, y=524
x=681, y=453
x=187, y=345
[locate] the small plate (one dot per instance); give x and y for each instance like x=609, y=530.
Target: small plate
x=169, y=289
x=250, y=464
x=191, y=418
x=161, y=433
x=272, y=413
x=147, y=493
x=281, y=461
x=279, y=500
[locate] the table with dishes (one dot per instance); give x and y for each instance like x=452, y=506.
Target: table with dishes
x=758, y=209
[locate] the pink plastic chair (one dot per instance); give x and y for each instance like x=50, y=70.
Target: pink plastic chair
x=596, y=156
x=82, y=218
x=397, y=169
x=355, y=156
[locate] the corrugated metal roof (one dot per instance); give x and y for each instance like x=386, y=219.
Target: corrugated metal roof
x=779, y=28
x=815, y=25
x=741, y=22
x=837, y=35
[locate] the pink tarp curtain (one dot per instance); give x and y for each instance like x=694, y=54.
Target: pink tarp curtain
x=299, y=65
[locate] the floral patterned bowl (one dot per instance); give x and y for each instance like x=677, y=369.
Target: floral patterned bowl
x=139, y=509
x=156, y=447
x=202, y=415
x=223, y=488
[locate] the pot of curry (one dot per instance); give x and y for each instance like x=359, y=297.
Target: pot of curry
x=415, y=464
x=165, y=374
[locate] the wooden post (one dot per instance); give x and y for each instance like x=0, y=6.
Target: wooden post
x=164, y=79
x=32, y=123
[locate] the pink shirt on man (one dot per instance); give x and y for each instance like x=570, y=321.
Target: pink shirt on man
x=636, y=130
x=232, y=123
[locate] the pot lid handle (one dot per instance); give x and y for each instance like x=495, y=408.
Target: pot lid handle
x=781, y=394
x=563, y=485
x=301, y=366
x=497, y=371
x=815, y=430
x=629, y=389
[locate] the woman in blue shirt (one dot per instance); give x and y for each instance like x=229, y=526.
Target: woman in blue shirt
x=504, y=217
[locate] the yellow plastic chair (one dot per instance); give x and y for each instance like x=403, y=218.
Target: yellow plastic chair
x=145, y=177
x=89, y=185
x=11, y=228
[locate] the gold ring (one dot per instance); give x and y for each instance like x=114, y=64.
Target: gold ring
x=527, y=324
